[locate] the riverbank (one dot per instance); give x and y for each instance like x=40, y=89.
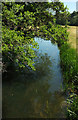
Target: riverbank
x=72, y=35
x=69, y=67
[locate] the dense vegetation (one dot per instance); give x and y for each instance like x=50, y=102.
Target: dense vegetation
x=21, y=23
x=71, y=20
x=69, y=65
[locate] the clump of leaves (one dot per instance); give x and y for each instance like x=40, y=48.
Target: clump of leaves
x=72, y=110
x=17, y=50
x=21, y=23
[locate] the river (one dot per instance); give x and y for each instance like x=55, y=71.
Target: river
x=36, y=94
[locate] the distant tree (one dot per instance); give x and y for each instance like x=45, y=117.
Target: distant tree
x=73, y=18
x=62, y=13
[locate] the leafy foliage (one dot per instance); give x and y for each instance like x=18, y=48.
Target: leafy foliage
x=73, y=107
x=69, y=18
x=21, y=23
x=69, y=62
x=16, y=48
x=73, y=18
x=69, y=66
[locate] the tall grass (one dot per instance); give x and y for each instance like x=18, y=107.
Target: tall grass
x=69, y=67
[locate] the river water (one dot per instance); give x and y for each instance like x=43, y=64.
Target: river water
x=36, y=94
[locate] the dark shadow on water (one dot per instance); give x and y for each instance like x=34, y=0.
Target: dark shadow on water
x=36, y=94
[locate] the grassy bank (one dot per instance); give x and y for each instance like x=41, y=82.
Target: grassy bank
x=72, y=36
x=69, y=67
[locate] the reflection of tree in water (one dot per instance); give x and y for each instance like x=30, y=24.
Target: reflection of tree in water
x=37, y=98
x=41, y=103
x=43, y=64
x=32, y=101
x=32, y=97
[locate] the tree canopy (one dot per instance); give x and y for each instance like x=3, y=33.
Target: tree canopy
x=21, y=22
x=73, y=18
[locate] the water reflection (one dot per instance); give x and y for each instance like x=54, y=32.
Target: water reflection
x=43, y=65
x=35, y=94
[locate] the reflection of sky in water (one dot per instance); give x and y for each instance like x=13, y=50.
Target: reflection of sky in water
x=45, y=46
x=35, y=95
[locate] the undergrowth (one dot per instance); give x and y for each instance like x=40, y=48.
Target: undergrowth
x=69, y=65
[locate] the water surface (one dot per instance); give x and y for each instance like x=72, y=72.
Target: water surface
x=36, y=94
